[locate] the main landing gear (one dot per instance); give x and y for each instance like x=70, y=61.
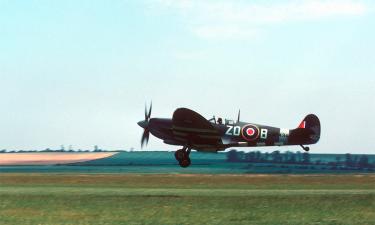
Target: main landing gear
x=305, y=148
x=182, y=156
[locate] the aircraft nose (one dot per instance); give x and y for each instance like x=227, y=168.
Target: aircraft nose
x=143, y=123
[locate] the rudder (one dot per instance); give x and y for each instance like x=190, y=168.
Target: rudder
x=308, y=131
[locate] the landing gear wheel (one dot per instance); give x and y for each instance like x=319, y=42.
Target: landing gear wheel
x=185, y=162
x=180, y=154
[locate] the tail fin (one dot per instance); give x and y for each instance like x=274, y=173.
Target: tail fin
x=308, y=131
x=311, y=121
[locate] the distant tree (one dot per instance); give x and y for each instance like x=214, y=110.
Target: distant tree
x=249, y=157
x=266, y=156
x=289, y=157
x=285, y=156
x=299, y=156
x=306, y=158
x=363, y=162
x=338, y=161
x=241, y=155
x=355, y=160
x=62, y=148
x=47, y=150
x=276, y=157
x=97, y=149
x=258, y=156
x=233, y=156
x=292, y=158
x=348, y=160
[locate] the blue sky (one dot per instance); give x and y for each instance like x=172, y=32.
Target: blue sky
x=79, y=72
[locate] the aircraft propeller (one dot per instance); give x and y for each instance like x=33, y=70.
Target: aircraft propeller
x=144, y=124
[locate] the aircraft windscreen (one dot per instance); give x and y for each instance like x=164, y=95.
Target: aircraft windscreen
x=212, y=120
x=219, y=120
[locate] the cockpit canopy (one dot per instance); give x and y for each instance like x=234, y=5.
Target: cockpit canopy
x=219, y=120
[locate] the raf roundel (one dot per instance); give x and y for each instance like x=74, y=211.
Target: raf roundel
x=250, y=132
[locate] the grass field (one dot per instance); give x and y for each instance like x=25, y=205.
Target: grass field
x=186, y=199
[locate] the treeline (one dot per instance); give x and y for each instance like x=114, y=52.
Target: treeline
x=51, y=150
x=301, y=158
x=62, y=149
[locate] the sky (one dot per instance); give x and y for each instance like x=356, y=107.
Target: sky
x=80, y=72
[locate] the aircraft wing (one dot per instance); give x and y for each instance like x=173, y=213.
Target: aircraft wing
x=192, y=128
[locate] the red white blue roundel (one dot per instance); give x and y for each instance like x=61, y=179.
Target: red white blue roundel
x=250, y=132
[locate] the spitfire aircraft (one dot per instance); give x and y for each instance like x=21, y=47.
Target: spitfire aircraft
x=192, y=131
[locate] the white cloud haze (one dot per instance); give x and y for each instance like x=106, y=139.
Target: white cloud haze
x=243, y=19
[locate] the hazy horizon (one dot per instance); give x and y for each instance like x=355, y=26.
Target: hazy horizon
x=282, y=150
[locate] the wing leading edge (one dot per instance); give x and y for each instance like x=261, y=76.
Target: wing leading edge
x=193, y=129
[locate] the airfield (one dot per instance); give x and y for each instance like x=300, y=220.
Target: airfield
x=186, y=199
x=119, y=189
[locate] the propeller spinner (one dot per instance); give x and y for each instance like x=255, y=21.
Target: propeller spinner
x=144, y=124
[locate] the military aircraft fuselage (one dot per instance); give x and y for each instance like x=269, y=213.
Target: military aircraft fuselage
x=232, y=134
x=192, y=131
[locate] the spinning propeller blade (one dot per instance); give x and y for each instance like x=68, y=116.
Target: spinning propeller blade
x=145, y=112
x=149, y=111
x=145, y=137
x=144, y=124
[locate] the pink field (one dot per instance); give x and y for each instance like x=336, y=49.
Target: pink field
x=50, y=158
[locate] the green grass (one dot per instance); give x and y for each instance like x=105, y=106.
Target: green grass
x=186, y=199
